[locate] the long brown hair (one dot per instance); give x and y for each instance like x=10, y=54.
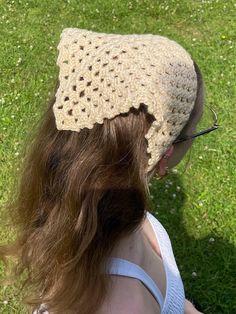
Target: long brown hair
x=76, y=196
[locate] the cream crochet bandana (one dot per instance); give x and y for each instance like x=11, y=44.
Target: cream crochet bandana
x=102, y=75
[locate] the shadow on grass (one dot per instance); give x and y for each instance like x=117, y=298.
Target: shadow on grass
x=207, y=265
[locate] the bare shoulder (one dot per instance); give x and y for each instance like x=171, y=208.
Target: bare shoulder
x=129, y=296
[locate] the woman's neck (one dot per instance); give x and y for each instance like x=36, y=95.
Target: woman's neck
x=132, y=246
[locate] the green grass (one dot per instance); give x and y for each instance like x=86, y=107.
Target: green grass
x=201, y=218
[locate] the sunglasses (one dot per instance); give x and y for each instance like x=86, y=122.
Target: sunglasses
x=214, y=127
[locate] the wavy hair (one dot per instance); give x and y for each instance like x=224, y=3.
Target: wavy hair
x=76, y=196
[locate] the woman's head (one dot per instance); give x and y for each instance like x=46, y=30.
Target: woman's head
x=104, y=75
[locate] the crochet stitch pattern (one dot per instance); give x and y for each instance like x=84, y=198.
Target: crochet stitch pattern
x=102, y=75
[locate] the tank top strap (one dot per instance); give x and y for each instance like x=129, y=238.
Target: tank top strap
x=123, y=267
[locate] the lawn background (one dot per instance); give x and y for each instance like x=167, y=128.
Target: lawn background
x=197, y=208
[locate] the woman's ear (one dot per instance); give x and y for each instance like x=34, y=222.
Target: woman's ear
x=162, y=163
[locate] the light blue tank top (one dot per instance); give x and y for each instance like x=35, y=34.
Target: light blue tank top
x=174, y=300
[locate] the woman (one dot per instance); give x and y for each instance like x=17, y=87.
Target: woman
x=85, y=234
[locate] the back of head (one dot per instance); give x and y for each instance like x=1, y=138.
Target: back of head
x=84, y=181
